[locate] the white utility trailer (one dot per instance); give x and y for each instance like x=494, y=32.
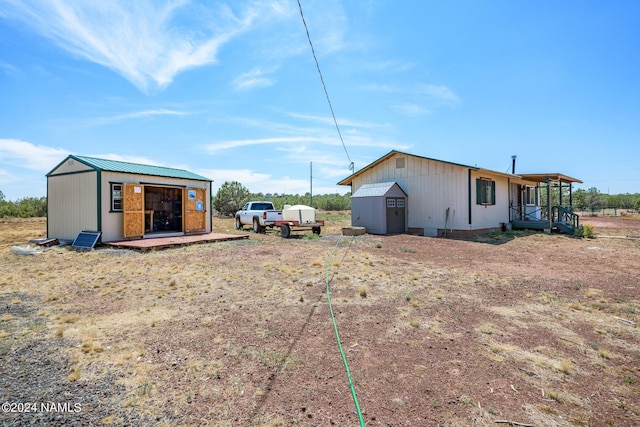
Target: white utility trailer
x=297, y=217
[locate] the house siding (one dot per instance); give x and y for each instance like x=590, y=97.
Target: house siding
x=490, y=216
x=431, y=186
x=440, y=196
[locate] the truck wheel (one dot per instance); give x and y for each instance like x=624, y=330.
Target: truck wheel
x=285, y=231
x=238, y=223
x=257, y=228
x=316, y=230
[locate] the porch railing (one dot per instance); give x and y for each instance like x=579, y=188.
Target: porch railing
x=565, y=215
x=561, y=217
x=523, y=213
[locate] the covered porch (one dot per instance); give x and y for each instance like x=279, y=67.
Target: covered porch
x=543, y=202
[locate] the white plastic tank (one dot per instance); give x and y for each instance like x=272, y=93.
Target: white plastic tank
x=301, y=213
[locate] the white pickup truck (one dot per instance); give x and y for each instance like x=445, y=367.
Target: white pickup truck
x=258, y=215
x=263, y=214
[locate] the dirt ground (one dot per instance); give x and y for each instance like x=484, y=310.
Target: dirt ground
x=516, y=328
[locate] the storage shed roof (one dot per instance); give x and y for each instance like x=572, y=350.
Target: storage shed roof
x=378, y=189
x=134, y=168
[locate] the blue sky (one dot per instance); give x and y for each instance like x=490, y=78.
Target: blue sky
x=230, y=90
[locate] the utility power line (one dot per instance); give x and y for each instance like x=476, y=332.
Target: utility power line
x=324, y=86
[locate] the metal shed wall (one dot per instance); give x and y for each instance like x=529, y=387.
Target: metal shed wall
x=72, y=204
x=369, y=209
x=368, y=212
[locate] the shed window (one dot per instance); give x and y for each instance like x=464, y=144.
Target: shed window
x=400, y=203
x=485, y=191
x=116, y=197
x=391, y=203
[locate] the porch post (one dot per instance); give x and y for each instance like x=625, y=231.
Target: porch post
x=571, y=196
x=549, y=213
x=510, y=197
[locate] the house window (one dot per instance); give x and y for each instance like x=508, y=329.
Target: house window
x=116, y=197
x=485, y=191
x=399, y=162
x=530, y=196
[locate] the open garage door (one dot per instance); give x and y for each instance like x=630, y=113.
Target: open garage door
x=195, y=220
x=133, y=210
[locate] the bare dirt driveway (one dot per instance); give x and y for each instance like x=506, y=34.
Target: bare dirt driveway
x=521, y=328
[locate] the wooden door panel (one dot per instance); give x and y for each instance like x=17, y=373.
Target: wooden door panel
x=195, y=220
x=133, y=210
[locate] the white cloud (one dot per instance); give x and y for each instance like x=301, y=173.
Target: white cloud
x=411, y=110
x=256, y=182
x=212, y=148
x=440, y=93
x=26, y=155
x=328, y=120
x=136, y=115
x=10, y=70
x=253, y=79
x=6, y=177
x=147, y=42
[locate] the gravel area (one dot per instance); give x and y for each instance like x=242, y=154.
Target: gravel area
x=34, y=370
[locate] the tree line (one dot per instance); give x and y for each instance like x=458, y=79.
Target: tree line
x=23, y=208
x=593, y=198
x=232, y=196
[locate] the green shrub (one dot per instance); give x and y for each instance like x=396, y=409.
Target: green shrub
x=585, y=230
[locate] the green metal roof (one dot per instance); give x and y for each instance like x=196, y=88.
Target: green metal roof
x=137, y=168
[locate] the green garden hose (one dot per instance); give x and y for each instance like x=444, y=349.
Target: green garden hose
x=335, y=329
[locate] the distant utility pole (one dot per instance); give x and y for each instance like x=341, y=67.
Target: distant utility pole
x=311, y=184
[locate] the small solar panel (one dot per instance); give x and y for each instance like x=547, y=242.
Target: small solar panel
x=86, y=239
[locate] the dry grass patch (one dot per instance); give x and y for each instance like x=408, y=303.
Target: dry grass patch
x=486, y=328
x=69, y=318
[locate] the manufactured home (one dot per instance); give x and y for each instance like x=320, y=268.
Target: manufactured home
x=440, y=198
x=125, y=200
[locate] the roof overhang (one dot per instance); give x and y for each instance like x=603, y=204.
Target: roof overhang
x=551, y=177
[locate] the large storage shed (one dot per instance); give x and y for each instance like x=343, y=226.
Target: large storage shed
x=380, y=208
x=125, y=200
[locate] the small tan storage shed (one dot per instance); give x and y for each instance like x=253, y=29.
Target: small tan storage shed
x=125, y=200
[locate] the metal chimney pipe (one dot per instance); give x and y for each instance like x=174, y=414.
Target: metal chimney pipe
x=513, y=164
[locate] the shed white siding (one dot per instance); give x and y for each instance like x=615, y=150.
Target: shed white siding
x=79, y=195
x=71, y=204
x=112, y=227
